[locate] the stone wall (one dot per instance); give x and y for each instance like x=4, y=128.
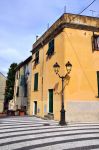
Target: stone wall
x=80, y=111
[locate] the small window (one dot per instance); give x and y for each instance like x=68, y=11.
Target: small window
x=17, y=93
x=50, y=48
x=96, y=42
x=36, y=82
x=36, y=61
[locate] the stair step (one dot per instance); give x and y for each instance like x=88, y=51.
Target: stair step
x=49, y=116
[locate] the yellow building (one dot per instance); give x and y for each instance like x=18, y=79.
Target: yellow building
x=72, y=38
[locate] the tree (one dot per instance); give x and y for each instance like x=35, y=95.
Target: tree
x=10, y=85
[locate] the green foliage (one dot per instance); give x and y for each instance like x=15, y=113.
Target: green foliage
x=10, y=83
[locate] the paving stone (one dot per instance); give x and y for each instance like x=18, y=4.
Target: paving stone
x=27, y=133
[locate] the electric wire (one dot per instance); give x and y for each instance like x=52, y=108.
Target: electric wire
x=75, y=50
x=79, y=62
x=83, y=10
x=87, y=7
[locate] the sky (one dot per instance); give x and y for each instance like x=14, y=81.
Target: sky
x=22, y=20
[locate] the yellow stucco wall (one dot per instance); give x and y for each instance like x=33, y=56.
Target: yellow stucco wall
x=78, y=50
x=70, y=45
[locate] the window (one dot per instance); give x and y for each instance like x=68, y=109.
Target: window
x=22, y=80
x=51, y=48
x=36, y=82
x=36, y=58
x=96, y=42
x=25, y=90
x=17, y=93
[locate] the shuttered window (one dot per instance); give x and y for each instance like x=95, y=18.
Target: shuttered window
x=25, y=90
x=36, y=57
x=36, y=82
x=50, y=48
x=22, y=80
x=96, y=42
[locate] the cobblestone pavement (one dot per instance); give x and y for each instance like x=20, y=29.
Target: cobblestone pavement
x=27, y=133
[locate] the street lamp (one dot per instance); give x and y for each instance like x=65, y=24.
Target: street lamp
x=56, y=69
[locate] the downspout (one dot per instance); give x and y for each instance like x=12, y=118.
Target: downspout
x=42, y=75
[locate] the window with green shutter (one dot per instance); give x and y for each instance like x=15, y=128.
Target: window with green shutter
x=36, y=57
x=98, y=81
x=36, y=82
x=50, y=48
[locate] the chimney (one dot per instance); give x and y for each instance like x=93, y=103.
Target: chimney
x=37, y=37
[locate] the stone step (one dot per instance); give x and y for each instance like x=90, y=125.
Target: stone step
x=49, y=116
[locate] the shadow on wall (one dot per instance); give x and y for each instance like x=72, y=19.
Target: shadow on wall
x=66, y=82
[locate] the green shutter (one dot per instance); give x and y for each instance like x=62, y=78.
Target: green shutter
x=51, y=47
x=22, y=80
x=98, y=81
x=52, y=44
x=36, y=82
x=37, y=57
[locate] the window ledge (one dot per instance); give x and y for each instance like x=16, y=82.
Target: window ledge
x=35, y=90
x=49, y=56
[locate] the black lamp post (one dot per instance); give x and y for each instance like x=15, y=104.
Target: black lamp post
x=56, y=69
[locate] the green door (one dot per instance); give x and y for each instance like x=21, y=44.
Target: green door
x=51, y=101
x=35, y=107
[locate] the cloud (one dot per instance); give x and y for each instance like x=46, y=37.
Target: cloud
x=9, y=56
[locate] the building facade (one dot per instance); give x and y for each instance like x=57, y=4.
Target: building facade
x=71, y=38
x=2, y=91
x=22, y=86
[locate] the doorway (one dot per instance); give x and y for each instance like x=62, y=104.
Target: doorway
x=50, y=100
x=35, y=108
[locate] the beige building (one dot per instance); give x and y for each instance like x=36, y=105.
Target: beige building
x=2, y=91
x=22, y=86
x=72, y=38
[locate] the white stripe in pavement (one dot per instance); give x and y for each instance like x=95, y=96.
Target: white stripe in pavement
x=27, y=120
x=31, y=124
x=66, y=128
x=60, y=130
x=47, y=140
x=28, y=128
x=24, y=137
x=18, y=126
x=69, y=145
x=91, y=124
x=12, y=123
